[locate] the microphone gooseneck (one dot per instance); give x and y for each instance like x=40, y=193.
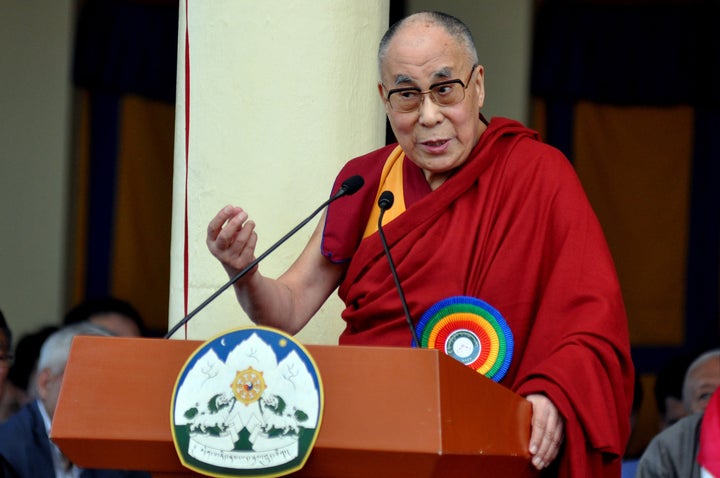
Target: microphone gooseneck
x=385, y=202
x=348, y=187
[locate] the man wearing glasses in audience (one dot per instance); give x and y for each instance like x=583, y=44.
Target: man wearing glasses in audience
x=26, y=450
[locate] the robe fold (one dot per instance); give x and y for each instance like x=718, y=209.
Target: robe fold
x=512, y=227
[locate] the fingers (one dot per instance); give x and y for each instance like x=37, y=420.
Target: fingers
x=549, y=444
x=216, y=224
x=231, y=238
x=547, y=431
x=236, y=233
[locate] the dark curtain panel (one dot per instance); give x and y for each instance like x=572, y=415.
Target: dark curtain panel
x=124, y=74
x=644, y=77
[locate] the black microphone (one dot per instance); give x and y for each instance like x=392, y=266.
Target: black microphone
x=384, y=203
x=348, y=187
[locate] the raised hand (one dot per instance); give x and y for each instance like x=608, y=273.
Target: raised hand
x=231, y=238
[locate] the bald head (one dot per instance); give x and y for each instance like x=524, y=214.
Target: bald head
x=454, y=27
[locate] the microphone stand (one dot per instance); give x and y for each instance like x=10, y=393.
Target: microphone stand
x=385, y=202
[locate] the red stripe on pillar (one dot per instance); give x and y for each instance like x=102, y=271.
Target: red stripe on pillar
x=186, y=259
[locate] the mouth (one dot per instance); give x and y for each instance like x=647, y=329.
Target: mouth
x=435, y=146
x=434, y=143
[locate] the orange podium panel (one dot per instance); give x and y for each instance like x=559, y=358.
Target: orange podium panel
x=389, y=412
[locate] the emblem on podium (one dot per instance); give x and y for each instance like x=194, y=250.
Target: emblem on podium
x=247, y=402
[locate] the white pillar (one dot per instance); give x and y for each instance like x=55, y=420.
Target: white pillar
x=279, y=96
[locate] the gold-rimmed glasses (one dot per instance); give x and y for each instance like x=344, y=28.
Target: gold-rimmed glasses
x=444, y=93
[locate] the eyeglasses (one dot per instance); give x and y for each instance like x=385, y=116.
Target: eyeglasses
x=445, y=93
x=6, y=360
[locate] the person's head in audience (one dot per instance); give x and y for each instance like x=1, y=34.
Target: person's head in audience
x=53, y=359
x=116, y=315
x=701, y=380
x=5, y=351
x=668, y=389
x=22, y=373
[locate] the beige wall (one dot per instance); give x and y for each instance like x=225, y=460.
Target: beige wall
x=36, y=38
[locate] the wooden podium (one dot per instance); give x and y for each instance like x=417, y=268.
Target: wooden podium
x=389, y=412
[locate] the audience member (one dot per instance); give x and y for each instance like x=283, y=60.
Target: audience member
x=701, y=380
x=19, y=388
x=26, y=450
x=116, y=315
x=673, y=452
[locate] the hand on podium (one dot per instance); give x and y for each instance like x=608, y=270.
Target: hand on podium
x=547, y=430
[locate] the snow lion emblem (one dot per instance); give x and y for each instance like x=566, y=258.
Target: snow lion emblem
x=249, y=400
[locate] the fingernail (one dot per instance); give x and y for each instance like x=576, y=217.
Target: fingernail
x=533, y=449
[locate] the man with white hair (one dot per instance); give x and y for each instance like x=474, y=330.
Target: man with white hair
x=26, y=450
x=701, y=379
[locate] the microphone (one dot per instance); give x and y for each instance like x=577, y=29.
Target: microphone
x=348, y=187
x=385, y=202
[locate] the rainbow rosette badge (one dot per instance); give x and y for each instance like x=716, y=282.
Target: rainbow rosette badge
x=470, y=331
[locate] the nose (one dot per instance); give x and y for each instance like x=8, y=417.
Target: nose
x=429, y=112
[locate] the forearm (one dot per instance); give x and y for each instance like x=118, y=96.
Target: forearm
x=286, y=303
x=269, y=302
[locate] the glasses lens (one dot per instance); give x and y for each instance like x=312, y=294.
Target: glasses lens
x=448, y=94
x=404, y=100
x=444, y=94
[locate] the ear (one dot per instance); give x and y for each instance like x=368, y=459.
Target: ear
x=41, y=380
x=381, y=92
x=480, y=85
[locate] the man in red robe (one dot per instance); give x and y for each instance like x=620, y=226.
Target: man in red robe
x=482, y=210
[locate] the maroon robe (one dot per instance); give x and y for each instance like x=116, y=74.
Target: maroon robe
x=514, y=228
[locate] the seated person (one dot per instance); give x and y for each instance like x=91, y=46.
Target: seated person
x=674, y=451
x=26, y=450
x=19, y=388
x=701, y=380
